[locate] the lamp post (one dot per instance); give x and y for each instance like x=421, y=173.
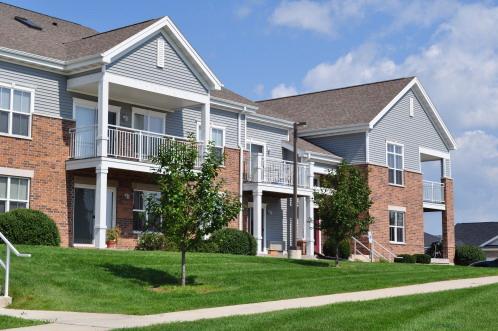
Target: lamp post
x=294, y=252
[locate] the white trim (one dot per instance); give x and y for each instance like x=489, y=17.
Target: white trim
x=13, y=86
x=157, y=88
x=117, y=110
x=367, y=147
x=489, y=241
x=433, y=152
x=395, y=226
x=147, y=113
x=435, y=206
x=439, y=122
x=264, y=248
x=165, y=22
x=388, y=142
x=160, y=52
x=14, y=172
x=223, y=129
x=8, y=199
x=312, y=155
x=233, y=105
x=412, y=107
x=74, y=83
x=338, y=130
x=396, y=208
x=270, y=121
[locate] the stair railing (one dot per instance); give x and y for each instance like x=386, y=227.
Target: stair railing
x=6, y=265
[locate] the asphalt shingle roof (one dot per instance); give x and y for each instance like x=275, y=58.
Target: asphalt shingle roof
x=227, y=94
x=338, y=107
x=430, y=238
x=475, y=233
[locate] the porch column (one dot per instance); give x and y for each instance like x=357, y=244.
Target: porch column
x=257, y=203
x=100, y=205
x=310, y=225
x=205, y=123
x=448, y=221
x=302, y=216
x=103, y=107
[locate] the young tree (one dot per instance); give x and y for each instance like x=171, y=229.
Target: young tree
x=343, y=204
x=192, y=204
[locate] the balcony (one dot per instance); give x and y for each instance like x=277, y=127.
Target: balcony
x=266, y=170
x=433, y=193
x=123, y=143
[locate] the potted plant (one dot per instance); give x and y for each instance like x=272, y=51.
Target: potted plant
x=112, y=236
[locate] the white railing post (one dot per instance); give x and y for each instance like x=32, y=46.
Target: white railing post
x=259, y=168
x=7, y=272
x=140, y=145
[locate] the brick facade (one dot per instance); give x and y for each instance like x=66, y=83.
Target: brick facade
x=51, y=187
x=230, y=174
x=448, y=221
x=409, y=196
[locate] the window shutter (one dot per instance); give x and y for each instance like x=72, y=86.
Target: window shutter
x=160, y=53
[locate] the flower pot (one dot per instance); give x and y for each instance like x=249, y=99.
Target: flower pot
x=111, y=243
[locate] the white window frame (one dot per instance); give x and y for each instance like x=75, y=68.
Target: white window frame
x=402, y=211
x=112, y=189
x=10, y=111
x=223, y=137
x=402, y=163
x=7, y=199
x=117, y=111
x=141, y=210
x=148, y=113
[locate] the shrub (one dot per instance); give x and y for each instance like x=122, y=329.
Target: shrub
x=405, y=258
x=422, y=258
x=468, y=254
x=329, y=248
x=206, y=246
x=29, y=227
x=154, y=241
x=233, y=241
x=112, y=234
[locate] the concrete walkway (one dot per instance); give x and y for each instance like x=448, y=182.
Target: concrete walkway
x=62, y=320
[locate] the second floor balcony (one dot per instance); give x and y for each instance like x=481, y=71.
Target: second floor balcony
x=123, y=143
x=433, y=192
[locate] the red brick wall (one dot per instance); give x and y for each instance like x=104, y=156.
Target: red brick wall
x=51, y=188
x=448, y=221
x=409, y=197
x=230, y=174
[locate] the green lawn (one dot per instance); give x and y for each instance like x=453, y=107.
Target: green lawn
x=136, y=282
x=7, y=322
x=469, y=309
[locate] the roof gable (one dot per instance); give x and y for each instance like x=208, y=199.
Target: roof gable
x=477, y=234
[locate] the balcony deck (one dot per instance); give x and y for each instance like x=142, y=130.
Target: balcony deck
x=433, y=195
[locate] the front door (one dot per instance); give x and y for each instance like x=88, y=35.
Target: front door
x=84, y=213
x=255, y=151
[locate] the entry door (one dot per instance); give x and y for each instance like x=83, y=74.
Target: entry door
x=84, y=213
x=255, y=150
x=86, y=118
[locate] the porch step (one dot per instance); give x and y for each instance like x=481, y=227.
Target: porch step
x=5, y=301
x=440, y=261
x=359, y=258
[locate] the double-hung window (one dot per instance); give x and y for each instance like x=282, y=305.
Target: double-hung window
x=396, y=226
x=143, y=220
x=395, y=163
x=13, y=193
x=218, y=138
x=15, y=111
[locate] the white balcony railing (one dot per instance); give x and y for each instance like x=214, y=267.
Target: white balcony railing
x=123, y=143
x=433, y=192
x=260, y=169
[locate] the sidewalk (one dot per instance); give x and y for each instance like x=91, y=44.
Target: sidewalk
x=62, y=320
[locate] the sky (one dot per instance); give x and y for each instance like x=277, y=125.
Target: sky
x=263, y=49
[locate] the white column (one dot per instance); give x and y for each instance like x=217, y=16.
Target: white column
x=103, y=107
x=100, y=206
x=302, y=216
x=310, y=225
x=205, y=122
x=257, y=205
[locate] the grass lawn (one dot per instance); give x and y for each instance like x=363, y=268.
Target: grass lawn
x=469, y=309
x=135, y=282
x=7, y=322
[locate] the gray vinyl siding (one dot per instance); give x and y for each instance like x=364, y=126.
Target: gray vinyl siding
x=447, y=168
x=351, y=147
x=412, y=132
x=230, y=122
x=272, y=136
x=51, y=96
x=141, y=63
x=182, y=122
x=276, y=216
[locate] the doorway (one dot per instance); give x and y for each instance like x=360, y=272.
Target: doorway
x=84, y=213
x=250, y=228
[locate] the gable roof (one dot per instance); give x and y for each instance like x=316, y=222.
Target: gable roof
x=304, y=146
x=338, y=107
x=227, y=94
x=475, y=233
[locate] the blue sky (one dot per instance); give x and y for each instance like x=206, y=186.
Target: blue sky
x=275, y=48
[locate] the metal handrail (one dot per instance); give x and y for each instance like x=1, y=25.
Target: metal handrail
x=433, y=192
x=372, y=251
x=384, y=248
x=6, y=265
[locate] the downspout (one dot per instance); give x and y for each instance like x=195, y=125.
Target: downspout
x=241, y=165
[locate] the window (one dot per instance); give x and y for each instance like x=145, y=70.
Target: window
x=218, y=138
x=143, y=220
x=148, y=120
x=15, y=111
x=395, y=163
x=396, y=226
x=13, y=193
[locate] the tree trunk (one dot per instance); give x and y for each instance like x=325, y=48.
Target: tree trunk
x=337, y=255
x=184, y=269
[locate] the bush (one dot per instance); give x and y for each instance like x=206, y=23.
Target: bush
x=468, y=254
x=405, y=258
x=329, y=248
x=154, y=241
x=206, y=246
x=422, y=258
x=29, y=227
x=233, y=241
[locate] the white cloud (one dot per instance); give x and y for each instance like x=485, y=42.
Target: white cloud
x=304, y=14
x=282, y=90
x=259, y=89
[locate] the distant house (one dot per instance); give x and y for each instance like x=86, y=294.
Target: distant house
x=483, y=234
x=429, y=239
